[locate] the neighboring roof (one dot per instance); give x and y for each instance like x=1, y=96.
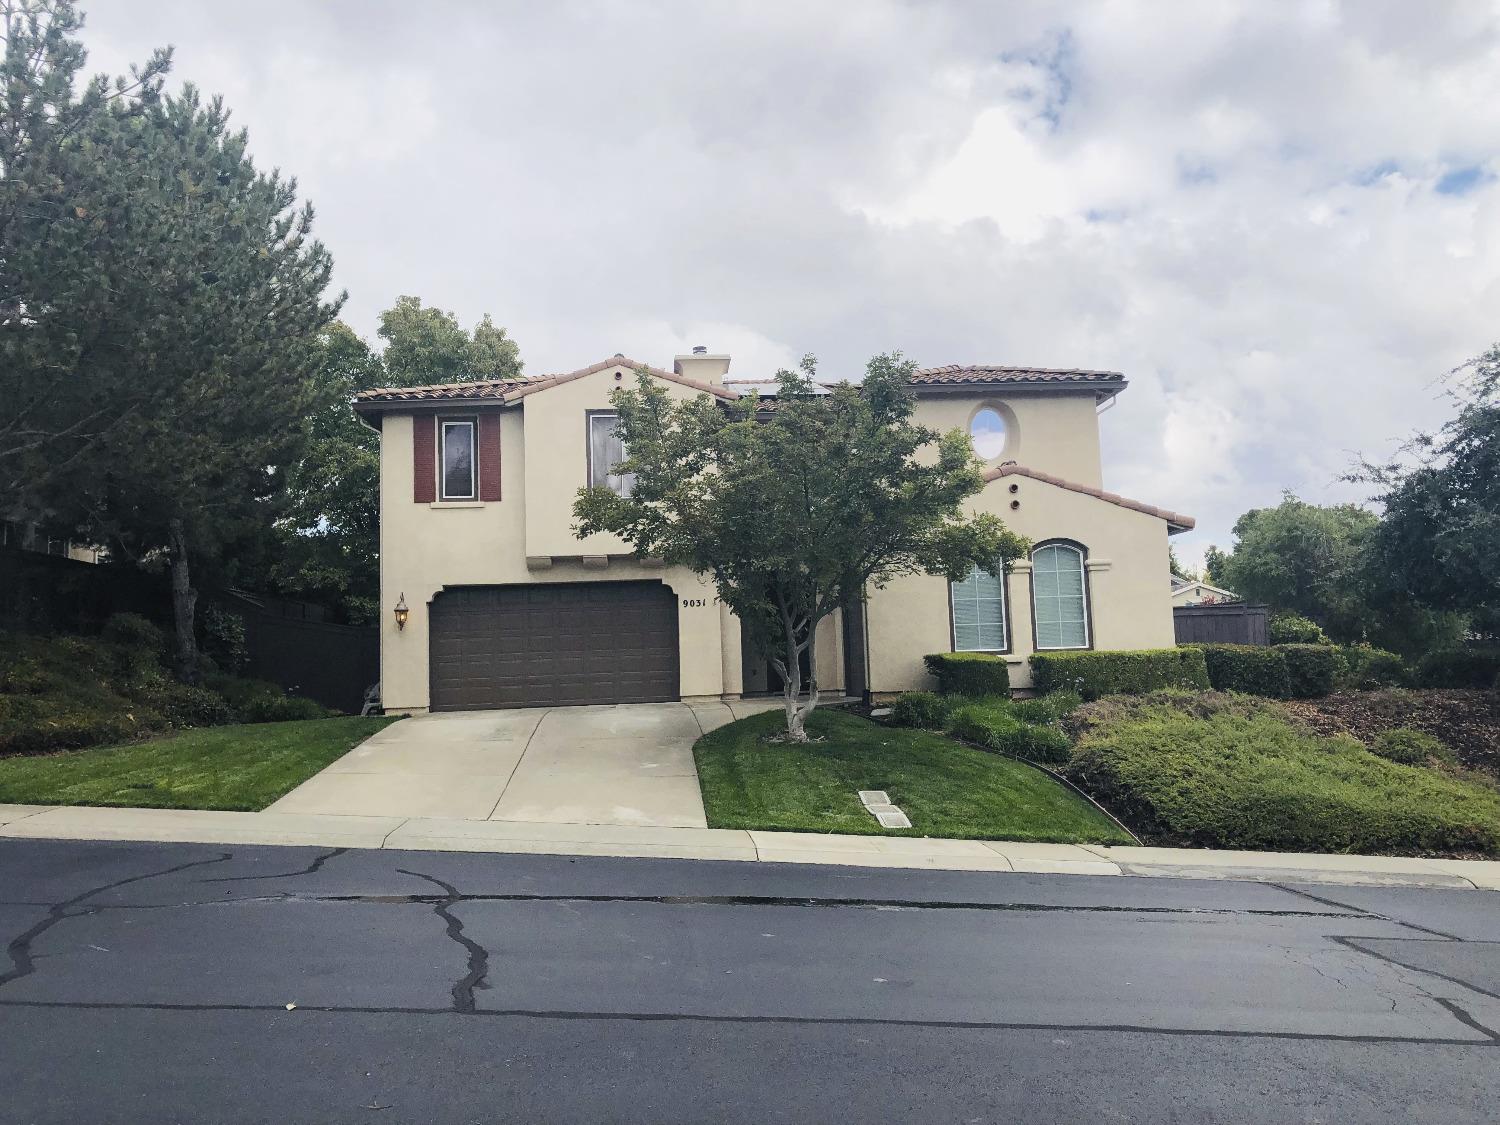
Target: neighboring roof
x=1175, y=521
x=960, y=374
x=503, y=392
x=1180, y=586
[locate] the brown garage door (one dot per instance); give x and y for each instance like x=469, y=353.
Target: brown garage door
x=553, y=645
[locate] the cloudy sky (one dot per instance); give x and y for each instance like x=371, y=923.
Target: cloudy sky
x=1280, y=220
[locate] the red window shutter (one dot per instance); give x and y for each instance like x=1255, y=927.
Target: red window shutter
x=489, y=456
x=423, y=459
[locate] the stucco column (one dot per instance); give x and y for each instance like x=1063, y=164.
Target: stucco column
x=1018, y=610
x=729, y=653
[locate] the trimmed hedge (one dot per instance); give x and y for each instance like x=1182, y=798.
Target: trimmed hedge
x=1312, y=671
x=1248, y=669
x=1095, y=674
x=969, y=673
x=1367, y=668
x=995, y=728
x=1460, y=668
x=1243, y=776
x=921, y=710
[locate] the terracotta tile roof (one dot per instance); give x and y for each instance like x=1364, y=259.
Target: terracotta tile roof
x=506, y=391
x=958, y=373
x=1175, y=520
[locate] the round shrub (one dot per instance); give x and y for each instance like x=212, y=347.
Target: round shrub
x=1409, y=746
x=183, y=705
x=132, y=631
x=923, y=710
x=1367, y=668
x=1050, y=708
x=1311, y=670
x=1292, y=629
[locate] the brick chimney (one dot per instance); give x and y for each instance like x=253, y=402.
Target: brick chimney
x=701, y=366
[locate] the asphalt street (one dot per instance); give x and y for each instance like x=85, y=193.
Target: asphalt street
x=197, y=983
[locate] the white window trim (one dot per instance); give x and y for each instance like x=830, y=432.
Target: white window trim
x=443, y=493
x=1004, y=619
x=1083, y=580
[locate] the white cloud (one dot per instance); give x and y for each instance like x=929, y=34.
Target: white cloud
x=1235, y=203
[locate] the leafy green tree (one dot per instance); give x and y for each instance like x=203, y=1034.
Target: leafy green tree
x=64, y=197
x=427, y=345
x=793, y=513
x=327, y=549
x=1439, y=541
x=1215, y=567
x=215, y=316
x=1304, y=559
x=1175, y=565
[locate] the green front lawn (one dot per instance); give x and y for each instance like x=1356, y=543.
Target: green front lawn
x=242, y=768
x=946, y=788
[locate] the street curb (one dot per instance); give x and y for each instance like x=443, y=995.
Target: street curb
x=43, y=822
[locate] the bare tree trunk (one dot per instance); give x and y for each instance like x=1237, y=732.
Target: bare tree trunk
x=184, y=602
x=791, y=688
x=812, y=676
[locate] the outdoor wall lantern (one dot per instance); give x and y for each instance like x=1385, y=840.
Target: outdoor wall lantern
x=402, y=613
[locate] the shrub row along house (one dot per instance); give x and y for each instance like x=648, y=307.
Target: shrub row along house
x=499, y=604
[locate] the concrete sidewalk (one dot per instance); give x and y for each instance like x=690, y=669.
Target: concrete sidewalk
x=449, y=834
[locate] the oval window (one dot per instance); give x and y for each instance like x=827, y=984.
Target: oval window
x=988, y=433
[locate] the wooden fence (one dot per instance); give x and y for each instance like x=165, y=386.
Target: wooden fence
x=1221, y=623
x=287, y=642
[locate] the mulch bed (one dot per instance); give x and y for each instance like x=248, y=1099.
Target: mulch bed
x=1467, y=721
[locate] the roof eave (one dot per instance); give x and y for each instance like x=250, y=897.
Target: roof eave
x=1100, y=391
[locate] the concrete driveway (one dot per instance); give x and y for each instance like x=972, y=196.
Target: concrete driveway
x=572, y=765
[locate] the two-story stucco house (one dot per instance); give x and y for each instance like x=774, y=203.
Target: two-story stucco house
x=502, y=606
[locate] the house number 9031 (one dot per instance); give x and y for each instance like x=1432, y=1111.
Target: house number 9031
x=689, y=603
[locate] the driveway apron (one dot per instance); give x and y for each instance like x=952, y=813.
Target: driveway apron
x=630, y=764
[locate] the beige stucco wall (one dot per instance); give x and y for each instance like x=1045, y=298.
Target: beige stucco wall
x=424, y=547
x=1129, y=600
x=1055, y=433
x=557, y=459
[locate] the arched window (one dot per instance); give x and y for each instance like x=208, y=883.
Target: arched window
x=1059, y=596
x=978, y=605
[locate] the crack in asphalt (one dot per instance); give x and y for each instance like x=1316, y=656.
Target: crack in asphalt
x=1490, y=1042
x=479, y=957
x=1463, y=1017
x=1360, y=910
x=1352, y=942
x=754, y=900
x=19, y=948
x=311, y=869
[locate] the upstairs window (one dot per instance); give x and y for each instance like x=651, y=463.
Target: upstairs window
x=987, y=432
x=978, y=604
x=1059, y=597
x=458, y=460
x=606, y=451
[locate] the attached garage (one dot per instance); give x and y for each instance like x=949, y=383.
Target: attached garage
x=553, y=645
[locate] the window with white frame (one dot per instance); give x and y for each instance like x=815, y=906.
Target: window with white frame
x=978, y=604
x=606, y=451
x=1059, y=597
x=458, y=460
